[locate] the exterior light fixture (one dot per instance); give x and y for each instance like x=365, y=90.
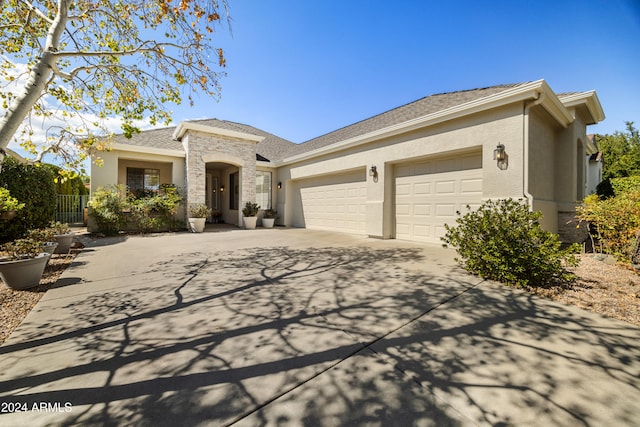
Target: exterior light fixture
x=373, y=171
x=500, y=156
x=279, y=185
x=222, y=188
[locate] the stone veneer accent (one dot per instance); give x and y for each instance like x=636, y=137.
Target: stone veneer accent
x=199, y=146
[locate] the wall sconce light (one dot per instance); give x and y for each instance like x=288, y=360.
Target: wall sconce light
x=501, y=157
x=373, y=171
x=279, y=186
x=222, y=188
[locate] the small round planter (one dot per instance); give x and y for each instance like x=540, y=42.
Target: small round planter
x=250, y=222
x=23, y=273
x=268, y=222
x=196, y=225
x=49, y=247
x=64, y=243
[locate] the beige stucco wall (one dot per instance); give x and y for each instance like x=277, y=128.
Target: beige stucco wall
x=485, y=130
x=166, y=169
x=114, y=168
x=557, y=171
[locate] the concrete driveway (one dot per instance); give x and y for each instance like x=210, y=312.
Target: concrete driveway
x=299, y=327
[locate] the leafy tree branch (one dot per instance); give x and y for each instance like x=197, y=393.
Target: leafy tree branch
x=92, y=60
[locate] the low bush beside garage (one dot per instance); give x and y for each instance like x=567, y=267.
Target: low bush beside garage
x=503, y=241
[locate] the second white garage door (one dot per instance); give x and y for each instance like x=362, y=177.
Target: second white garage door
x=336, y=202
x=429, y=192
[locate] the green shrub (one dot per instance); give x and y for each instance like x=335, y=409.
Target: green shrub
x=32, y=185
x=503, y=241
x=613, y=222
x=250, y=209
x=8, y=202
x=155, y=212
x=68, y=182
x=199, y=210
x=616, y=186
x=107, y=206
x=114, y=211
x=42, y=235
x=23, y=248
x=625, y=185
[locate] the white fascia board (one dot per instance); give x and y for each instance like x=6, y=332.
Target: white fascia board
x=555, y=107
x=590, y=147
x=264, y=164
x=184, y=127
x=589, y=100
x=146, y=150
x=519, y=93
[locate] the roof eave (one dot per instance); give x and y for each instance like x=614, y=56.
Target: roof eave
x=184, y=127
x=146, y=149
x=587, y=99
x=518, y=93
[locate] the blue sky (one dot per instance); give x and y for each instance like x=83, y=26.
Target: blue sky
x=300, y=69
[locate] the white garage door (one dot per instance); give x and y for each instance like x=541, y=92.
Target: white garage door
x=336, y=202
x=428, y=194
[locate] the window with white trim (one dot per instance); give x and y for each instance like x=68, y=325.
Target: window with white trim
x=263, y=189
x=141, y=181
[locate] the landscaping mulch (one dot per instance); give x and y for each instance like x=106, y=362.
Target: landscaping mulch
x=602, y=286
x=610, y=290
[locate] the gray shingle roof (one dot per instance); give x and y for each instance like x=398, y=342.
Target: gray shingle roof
x=275, y=148
x=156, y=138
x=422, y=107
x=271, y=148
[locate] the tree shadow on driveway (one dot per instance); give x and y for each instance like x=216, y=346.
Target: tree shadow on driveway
x=322, y=336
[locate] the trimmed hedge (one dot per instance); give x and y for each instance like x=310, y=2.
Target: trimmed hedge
x=33, y=185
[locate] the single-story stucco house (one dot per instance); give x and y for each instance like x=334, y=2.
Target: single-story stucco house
x=400, y=174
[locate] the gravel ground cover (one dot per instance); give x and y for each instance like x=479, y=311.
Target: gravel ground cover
x=15, y=305
x=610, y=290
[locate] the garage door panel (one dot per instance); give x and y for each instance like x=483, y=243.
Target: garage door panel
x=453, y=183
x=335, y=202
x=402, y=209
x=445, y=187
x=471, y=185
x=403, y=189
x=422, y=209
x=422, y=188
x=445, y=209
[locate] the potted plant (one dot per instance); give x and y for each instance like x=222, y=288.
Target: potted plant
x=63, y=235
x=46, y=238
x=269, y=218
x=198, y=214
x=24, y=265
x=250, y=215
x=8, y=205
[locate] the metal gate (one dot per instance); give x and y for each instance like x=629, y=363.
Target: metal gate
x=71, y=208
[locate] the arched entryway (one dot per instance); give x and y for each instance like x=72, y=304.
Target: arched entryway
x=225, y=182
